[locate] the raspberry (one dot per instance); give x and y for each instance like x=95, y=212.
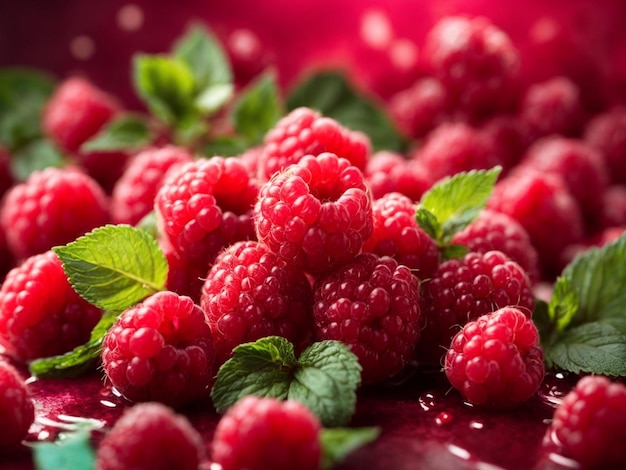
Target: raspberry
x=397, y=234
x=183, y=276
x=388, y=172
x=40, y=314
x=150, y=436
x=134, y=193
x=315, y=214
x=497, y=231
x=17, y=411
x=613, y=209
x=76, y=111
x=578, y=164
x=496, y=360
x=462, y=290
x=267, y=434
x=419, y=109
x=588, y=425
x=606, y=132
x=160, y=349
x=304, y=131
x=372, y=305
x=205, y=205
x=541, y=203
x=251, y=293
x=475, y=60
x=552, y=107
x=52, y=207
x=509, y=136
x=455, y=147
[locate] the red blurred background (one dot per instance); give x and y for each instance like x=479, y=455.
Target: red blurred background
x=377, y=41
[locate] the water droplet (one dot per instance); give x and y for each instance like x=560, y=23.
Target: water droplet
x=476, y=425
x=459, y=452
x=427, y=401
x=444, y=418
x=108, y=404
x=130, y=17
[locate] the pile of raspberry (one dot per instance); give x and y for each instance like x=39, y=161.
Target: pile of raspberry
x=313, y=236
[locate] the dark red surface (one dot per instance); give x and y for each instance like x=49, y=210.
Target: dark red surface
x=423, y=424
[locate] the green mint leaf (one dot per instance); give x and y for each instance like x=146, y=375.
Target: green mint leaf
x=115, y=266
x=598, y=277
x=23, y=94
x=205, y=57
x=225, y=146
x=454, y=251
x=564, y=303
x=257, y=109
x=428, y=222
x=167, y=86
x=543, y=322
x=326, y=381
x=324, y=378
x=80, y=359
x=262, y=368
x=73, y=452
x=126, y=133
x=457, y=200
x=35, y=156
x=214, y=97
x=595, y=347
x=334, y=96
x=337, y=443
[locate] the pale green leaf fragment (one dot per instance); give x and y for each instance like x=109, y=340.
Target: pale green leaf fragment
x=337, y=443
x=114, y=266
x=126, y=133
x=564, y=304
x=214, y=97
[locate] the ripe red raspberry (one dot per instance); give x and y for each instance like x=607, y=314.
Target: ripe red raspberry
x=462, y=290
x=17, y=411
x=306, y=132
x=541, y=203
x=204, y=205
x=76, y=111
x=183, y=276
x=552, y=107
x=106, y=167
x=497, y=231
x=496, y=360
x=160, y=349
x=454, y=147
x=52, y=207
x=388, y=172
x=267, y=434
x=372, y=305
x=606, y=132
x=613, y=211
x=579, y=165
x=475, y=60
x=40, y=313
x=397, y=234
x=589, y=423
x=251, y=293
x=420, y=108
x=315, y=214
x=150, y=436
x=509, y=136
x=134, y=193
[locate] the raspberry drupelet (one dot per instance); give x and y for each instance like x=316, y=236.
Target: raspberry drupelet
x=372, y=305
x=267, y=434
x=250, y=293
x=161, y=349
x=589, y=424
x=397, y=234
x=40, y=313
x=52, y=207
x=388, y=172
x=150, y=436
x=606, y=132
x=496, y=360
x=306, y=132
x=17, y=410
x=316, y=213
x=461, y=290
